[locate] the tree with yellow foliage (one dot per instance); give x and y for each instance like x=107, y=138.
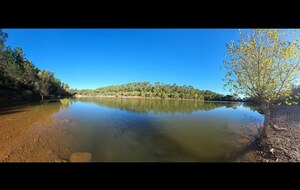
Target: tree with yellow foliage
x=264, y=64
x=43, y=83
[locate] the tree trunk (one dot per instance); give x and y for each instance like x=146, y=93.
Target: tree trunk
x=42, y=96
x=267, y=114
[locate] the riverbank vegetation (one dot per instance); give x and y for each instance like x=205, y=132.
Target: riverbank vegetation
x=157, y=90
x=21, y=80
x=264, y=65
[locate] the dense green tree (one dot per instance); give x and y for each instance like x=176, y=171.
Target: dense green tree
x=12, y=68
x=3, y=37
x=21, y=80
x=29, y=73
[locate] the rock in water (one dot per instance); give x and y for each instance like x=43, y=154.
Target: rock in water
x=66, y=121
x=80, y=157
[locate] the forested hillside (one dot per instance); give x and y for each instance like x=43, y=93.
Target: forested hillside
x=21, y=80
x=157, y=90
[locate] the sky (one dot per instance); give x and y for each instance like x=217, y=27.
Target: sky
x=92, y=58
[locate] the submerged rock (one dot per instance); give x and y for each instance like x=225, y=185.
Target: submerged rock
x=80, y=157
x=66, y=121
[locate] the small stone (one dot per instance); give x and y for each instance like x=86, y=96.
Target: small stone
x=80, y=157
x=265, y=160
x=66, y=121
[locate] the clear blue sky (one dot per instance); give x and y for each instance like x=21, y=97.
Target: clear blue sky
x=91, y=58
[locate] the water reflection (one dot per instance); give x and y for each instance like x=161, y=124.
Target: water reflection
x=65, y=103
x=161, y=105
x=114, y=129
x=33, y=113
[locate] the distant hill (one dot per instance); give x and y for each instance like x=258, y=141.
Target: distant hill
x=156, y=90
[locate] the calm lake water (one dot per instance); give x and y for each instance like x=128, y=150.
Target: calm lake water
x=115, y=129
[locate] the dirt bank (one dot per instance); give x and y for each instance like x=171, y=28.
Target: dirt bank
x=280, y=146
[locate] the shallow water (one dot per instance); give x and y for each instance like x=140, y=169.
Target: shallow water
x=115, y=129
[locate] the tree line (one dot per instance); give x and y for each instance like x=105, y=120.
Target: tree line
x=21, y=80
x=157, y=90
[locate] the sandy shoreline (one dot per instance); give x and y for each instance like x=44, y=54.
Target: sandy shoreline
x=27, y=138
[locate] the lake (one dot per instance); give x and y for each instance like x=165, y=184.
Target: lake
x=124, y=129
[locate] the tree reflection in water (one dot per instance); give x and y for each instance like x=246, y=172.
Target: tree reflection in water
x=161, y=105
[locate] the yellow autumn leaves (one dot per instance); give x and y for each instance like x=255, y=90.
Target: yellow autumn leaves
x=263, y=64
